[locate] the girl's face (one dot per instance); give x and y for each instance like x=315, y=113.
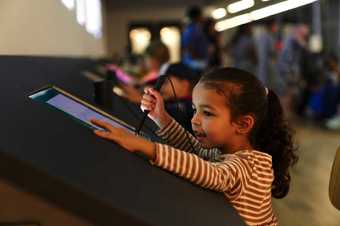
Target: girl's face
x=212, y=122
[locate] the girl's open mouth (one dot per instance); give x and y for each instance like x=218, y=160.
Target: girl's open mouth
x=200, y=136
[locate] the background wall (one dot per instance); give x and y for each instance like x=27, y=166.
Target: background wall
x=118, y=20
x=45, y=27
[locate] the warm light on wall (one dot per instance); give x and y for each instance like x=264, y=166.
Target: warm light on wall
x=88, y=14
x=140, y=39
x=171, y=37
x=94, y=17
x=81, y=12
x=68, y=3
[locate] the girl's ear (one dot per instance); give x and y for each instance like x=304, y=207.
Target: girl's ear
x=245, y=124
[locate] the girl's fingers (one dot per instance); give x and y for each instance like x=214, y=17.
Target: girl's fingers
x=112, y=134
x=147, y=103
x=155, y=94
x=103, y=134
x=102, y=124
x=148, y=108
x=148, y=98
x=146, y=90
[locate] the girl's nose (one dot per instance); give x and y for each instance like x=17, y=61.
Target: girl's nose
x=195, y=120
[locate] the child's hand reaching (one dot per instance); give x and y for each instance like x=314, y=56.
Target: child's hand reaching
x=153, y=102
x=125, y=139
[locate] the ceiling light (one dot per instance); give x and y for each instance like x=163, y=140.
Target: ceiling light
x=240, y=6
x=278, y=8
x=232, y=22
x=219, y=13
x=260, y=13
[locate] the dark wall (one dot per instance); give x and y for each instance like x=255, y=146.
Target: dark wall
x=331, y=25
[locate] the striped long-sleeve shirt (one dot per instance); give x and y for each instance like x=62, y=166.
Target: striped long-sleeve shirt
x=244, y=177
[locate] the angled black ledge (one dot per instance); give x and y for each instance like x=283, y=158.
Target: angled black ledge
x=49, y=155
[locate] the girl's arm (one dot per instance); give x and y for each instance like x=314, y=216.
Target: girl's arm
x=216, y=176
x=221, y=176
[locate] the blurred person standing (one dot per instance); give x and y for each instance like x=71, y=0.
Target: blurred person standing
x=294, y=47
x=214, y=42
x=194, y=41
x=267, y=57
x=290, y=61
x=312, y=81
x=242, y=49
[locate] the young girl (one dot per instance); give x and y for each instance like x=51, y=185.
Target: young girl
x=242, y=145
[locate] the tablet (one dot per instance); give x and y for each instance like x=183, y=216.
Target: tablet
x=76, y=108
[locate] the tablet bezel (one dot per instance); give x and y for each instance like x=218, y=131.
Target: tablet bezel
x=84, y=103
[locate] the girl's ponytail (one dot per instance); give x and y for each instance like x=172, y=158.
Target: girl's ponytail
x=275, y=138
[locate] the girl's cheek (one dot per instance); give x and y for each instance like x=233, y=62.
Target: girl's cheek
x=206, y=129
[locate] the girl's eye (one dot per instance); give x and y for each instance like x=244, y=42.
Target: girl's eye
x=194, y=110
x=207, y=113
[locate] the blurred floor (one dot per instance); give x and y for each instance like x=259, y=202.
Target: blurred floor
x=308, y=202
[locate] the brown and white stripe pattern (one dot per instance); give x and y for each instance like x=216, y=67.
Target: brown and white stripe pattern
x=245, y=177
x=175, y=135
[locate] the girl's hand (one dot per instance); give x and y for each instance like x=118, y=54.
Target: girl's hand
x=125, y=139
x=152, y=101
